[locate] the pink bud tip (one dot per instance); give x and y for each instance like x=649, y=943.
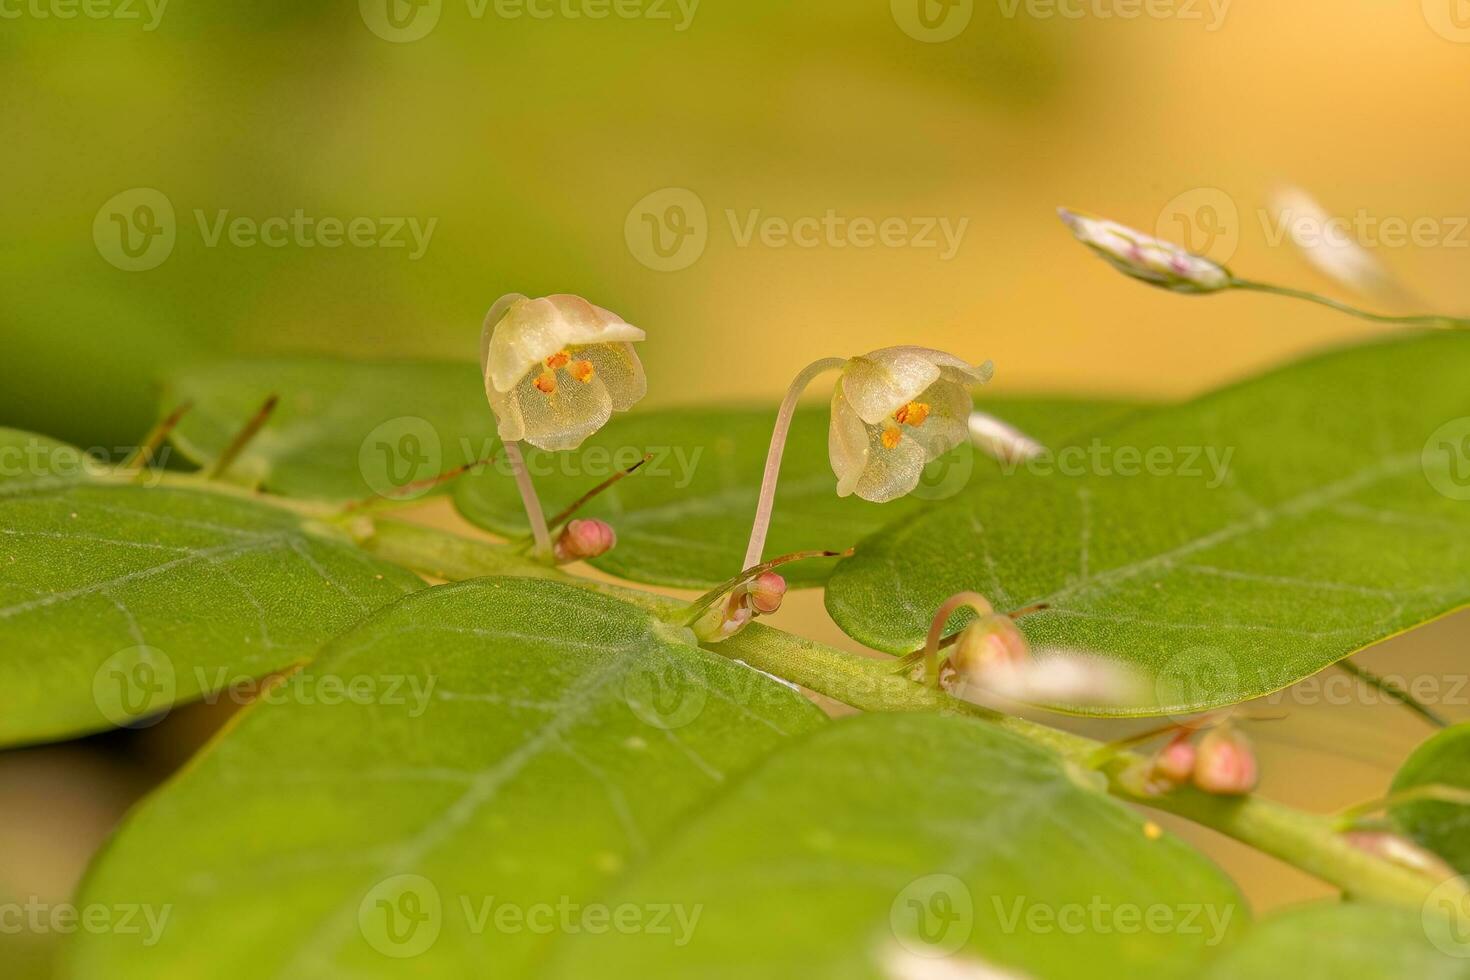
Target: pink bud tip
x=1225, y=764
x=1175, y=761
x=766, y=593
x=585, y=539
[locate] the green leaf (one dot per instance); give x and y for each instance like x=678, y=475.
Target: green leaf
x=891, y=838
x=344, y=430
x=1340, y=520
x=117, y=601
x=546, y=739
x=684, y=518
x=1443, y=827
x=1346, y=941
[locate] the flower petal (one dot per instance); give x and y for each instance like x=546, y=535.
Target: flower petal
x=890, y=473
x=534, y=329
x=880, y=383
x=948, y=424
x=564, y=418
x=620, y=370
x=496, y=314
x=847, y=443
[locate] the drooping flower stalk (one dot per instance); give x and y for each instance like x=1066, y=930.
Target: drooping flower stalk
x=975, y=601
x=534, y=514
x=1422, y=320
x=762, y=525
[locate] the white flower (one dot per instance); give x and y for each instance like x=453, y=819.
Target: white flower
x=895, y=410
x=1147, y=258
x=1325, y=242
x=556, y=368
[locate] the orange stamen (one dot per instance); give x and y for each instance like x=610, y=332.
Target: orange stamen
x=891, y=437
x=558, y=360
x=914, y=413
x=546, y=383
x=582, y=371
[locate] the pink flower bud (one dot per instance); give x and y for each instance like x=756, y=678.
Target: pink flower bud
x=585, y=539
x=766, y=593
x=1175, y=761
x=1225, y=764
x=988, y=642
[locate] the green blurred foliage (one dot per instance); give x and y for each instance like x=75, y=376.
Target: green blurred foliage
x=528, y=140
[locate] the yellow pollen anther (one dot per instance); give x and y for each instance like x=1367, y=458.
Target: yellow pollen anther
x=914, y=413
x=582, y=371
x=558, y=360
x=546, y=383
x=891, y=437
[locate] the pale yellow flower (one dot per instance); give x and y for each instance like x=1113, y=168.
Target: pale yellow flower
x=556, y=368
x=895, y=410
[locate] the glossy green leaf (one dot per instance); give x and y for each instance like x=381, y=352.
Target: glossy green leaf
x=343, y=430
x=516, y=744
x=891, y=845
x=1443, y=827
x=684, y=518
x=117, y=602
x=1284, y=523
x=1346, y=941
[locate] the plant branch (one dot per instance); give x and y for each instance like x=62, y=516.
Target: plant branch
x=1310, y=842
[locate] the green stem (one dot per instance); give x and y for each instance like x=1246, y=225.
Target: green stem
x=1307, y=841
x=1431, y=320
x=1395, y=692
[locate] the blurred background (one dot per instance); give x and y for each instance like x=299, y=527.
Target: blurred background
x=756, y=183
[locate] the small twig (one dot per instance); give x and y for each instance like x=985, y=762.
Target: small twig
x=581, y=501
x=1395, y=692
x=242, y=438
x=417, y=487
x=699, y=606
x=1431, y=793
x=143, y=455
